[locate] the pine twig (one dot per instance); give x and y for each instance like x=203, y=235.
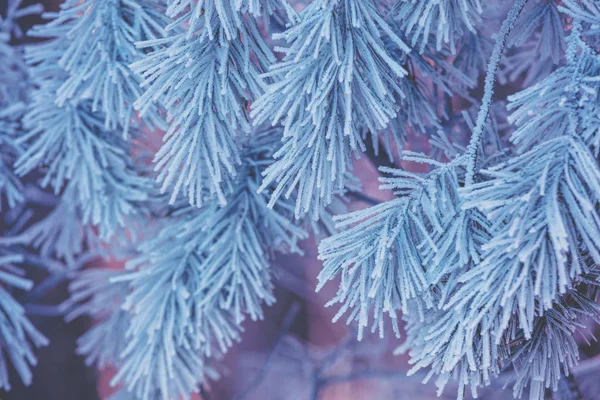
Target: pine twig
x=288, y=320
x=490, y=82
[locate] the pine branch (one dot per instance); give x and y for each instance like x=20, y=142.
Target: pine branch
x=336, y=80
x=441, y=20
x=490, y=79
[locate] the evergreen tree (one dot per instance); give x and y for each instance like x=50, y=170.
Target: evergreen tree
x=489, y=250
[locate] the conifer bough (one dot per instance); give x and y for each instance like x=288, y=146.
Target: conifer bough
x=196, y=139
